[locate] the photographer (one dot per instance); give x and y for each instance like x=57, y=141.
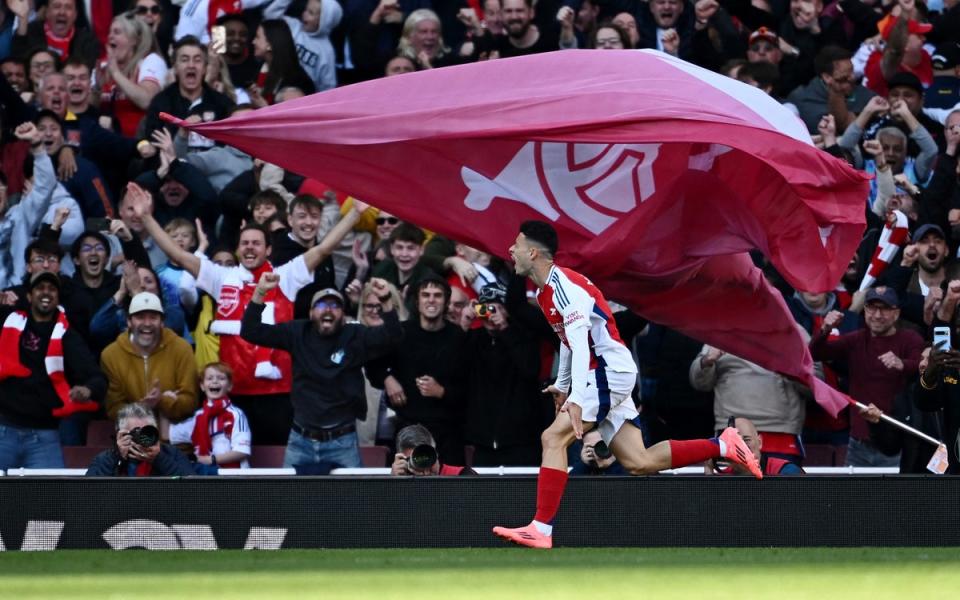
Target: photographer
x=505, y=410
x=417, y=455
x=596, y=458
x=138, y=452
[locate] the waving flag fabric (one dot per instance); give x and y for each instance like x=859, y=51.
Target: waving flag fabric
x=658, y=175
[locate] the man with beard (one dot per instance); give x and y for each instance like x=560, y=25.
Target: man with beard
x=329, y=355
x=881, y=361
x=424, y=377
x=921, y=273
x=189, y=95
x=596, y=374
x=151, y=364
x=262, y=376
x=522, y=36
x=46, y=373
x=242, y=65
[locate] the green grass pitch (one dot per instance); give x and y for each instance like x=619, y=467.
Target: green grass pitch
x=498, y=573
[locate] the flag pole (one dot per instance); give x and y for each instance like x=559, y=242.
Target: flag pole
x=903, y=426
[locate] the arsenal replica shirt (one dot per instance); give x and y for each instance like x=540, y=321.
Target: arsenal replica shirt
x=581, y=318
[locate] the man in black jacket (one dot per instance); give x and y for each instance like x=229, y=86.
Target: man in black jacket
x=134, y=454
x=505, y=410
x=424, y=378
x=328, y=393
x=46, y=373
x=189, y=97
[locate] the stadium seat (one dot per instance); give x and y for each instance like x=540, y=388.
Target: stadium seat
x=80, y=457
x=375, y=456
x=267, y=457
x=820, y=455
x=100, y=433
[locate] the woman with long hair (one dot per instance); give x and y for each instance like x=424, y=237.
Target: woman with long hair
x=422, y=40
x=273, y=45
x=132, y=74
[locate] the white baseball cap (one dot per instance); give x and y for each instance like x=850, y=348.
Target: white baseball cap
x=145, y=301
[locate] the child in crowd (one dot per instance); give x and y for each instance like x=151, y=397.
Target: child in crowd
x=218, y=431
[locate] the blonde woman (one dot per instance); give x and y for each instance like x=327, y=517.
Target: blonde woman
x=132, y=74
x=218, y=77
x=379, y=424
x=422, y=40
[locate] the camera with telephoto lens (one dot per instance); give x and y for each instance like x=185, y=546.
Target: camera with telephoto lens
x=422, y=458
x=485, y=310
x=602, y=450
x=145, y=436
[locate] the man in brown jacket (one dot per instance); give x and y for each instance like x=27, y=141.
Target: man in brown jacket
x=151, y=364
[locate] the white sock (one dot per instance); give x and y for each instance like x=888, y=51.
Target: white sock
x=543, y=528
x=723, y=447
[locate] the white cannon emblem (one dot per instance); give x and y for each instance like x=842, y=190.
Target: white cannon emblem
x=573, y=179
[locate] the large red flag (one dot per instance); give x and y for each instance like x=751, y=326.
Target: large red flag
x=658, y=176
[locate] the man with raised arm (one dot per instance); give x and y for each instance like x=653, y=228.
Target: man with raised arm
x=595, y=379
x=262, y=377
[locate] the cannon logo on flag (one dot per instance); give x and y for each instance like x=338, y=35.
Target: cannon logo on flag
x=590, y=183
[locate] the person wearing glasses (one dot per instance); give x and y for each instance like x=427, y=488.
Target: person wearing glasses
x=881, y=359
x=328, y=358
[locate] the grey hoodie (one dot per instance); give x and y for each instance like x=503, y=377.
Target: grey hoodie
x=316, y=53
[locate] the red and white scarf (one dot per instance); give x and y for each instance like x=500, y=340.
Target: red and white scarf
x=214, y=418
x=60, y=45
x=10, y=365
x=235, y=293
x=894, y=235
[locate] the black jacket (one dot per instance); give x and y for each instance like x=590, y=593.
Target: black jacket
x=169, y=100
x=28, y=401
x=83, y=46
x=944, y=401
x=504, y=404
x=439, y=354
x=170, y=462
x=328, y=386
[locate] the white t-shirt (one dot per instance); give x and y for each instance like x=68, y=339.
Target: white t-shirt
x=239, y=441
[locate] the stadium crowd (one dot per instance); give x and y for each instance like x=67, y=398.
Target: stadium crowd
x=157, y=279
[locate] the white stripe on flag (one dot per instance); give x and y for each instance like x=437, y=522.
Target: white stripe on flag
x=768, y=110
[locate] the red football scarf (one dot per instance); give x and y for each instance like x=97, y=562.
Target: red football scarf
x=60, y=45
x=215, y=413
x=10, y=365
